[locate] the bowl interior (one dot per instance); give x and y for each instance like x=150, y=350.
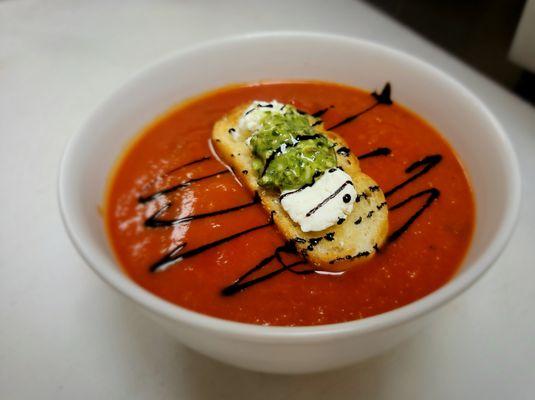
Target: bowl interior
x=461, y=118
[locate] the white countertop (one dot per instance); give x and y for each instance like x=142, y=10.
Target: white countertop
x=64, y=334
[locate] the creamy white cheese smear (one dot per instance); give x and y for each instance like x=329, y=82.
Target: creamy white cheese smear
x=251, y=119
x=323, y=204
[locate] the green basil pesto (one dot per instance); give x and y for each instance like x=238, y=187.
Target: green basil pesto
x=288, y=151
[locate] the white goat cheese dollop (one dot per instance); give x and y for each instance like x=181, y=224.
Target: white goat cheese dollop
x=321, y=205
x=251, y=119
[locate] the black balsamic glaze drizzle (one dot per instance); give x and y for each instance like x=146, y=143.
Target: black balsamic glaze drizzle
x=329, y=198
x=316, y=175
x=320, y=113
x=247, y=280
x=432, y=194
x=242, y=283
x=197, y=161
x=380, y=98
x=155, y=195
x=176, y=255
x=276, y=152
x=381, y=151
x=426, y=164
x=343, y=151
x=154, y=221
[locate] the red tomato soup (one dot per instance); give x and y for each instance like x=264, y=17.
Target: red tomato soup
x=204, y=255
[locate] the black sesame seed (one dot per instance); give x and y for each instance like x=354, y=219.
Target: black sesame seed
x=346, y=198
x=245, y=172
x=340, y=221
x=358, y=221
x=343, y=151
x=315, y=241
x=329, y=236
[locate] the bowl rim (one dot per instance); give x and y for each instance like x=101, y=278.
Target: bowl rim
x=252, y=332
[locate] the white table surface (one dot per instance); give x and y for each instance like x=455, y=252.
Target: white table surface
x=64, y=334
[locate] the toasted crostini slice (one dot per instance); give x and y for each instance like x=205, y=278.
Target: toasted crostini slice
x=351, y=240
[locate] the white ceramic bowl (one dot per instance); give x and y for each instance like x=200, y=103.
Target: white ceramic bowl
x=449, y=106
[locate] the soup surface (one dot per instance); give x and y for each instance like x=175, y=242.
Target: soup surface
x=172, y=204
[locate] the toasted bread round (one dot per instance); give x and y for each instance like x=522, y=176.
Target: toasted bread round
x=336, y=248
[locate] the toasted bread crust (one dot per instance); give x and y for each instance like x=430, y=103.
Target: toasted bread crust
x=337, y=247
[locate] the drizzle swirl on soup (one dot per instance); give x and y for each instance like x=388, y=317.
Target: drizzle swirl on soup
x=184, y=228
